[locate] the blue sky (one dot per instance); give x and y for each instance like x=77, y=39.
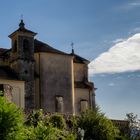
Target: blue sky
x=95, y=26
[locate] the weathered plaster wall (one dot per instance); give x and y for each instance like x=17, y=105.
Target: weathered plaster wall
x=80, y=71
x=55, y=80
x=18, y=91
x=81, y=94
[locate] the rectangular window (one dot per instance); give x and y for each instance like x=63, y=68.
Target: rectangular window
x=59, y=104
x=84, y=105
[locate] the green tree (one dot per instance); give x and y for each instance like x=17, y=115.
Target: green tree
x=97, y=126
x=11, y=121
x=134, y=125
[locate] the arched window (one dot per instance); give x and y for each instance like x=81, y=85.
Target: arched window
x=15, y=46
x=25, y=45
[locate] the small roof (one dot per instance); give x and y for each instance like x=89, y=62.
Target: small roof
x=79, y=59
x=2, y=50
x=83, y=84
x=22, y=29
x=7, y=73
x=43, y=47
x=4, y=53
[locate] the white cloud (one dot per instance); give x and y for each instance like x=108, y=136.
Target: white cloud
x=134, y=4
x=118, y=40
x=122, y=57
x=131, y=5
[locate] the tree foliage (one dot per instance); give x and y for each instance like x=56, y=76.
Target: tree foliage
x=134, y=125
x=58, y=121
x=42, y=132
x=46, y=127
x=97, y=126
x=40, y=126
x=11, y=120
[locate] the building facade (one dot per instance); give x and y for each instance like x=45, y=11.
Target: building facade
x=47, y=78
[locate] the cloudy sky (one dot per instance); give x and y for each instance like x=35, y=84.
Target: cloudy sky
x=107, y=32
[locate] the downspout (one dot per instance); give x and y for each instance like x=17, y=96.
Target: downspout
x=73, y=89
x=39, y=83
x=90, y=103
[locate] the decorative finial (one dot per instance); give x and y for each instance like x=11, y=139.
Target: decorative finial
x=72, y=44
x=21, y=24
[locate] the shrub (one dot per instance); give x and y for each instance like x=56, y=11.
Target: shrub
x=11, y=120
x=42, y=132
x=97, y=126
x=72, y=123
x=58, y=121
x=35, y=117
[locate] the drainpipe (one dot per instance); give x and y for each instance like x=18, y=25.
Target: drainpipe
x=39, y=83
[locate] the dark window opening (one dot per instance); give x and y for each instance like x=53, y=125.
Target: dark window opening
x=83, y=105
x=1, y=90
x=25, y=71
x=25, y=45
x=15, y=46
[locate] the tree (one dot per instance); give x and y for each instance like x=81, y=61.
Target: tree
x=11, y=121
x=97, y=126
x=134, y=125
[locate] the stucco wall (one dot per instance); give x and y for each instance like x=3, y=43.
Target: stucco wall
x=80, y=71
x=81, y=94
x=18, y=92
x=55, y=80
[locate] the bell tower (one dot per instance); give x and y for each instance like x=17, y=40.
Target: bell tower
x=22, y=60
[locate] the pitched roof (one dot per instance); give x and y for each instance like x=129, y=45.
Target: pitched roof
x=22, y=29
x=43, y=47
x=7, y=73
x=4, y=53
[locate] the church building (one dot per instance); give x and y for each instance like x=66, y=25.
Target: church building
x=35, y=75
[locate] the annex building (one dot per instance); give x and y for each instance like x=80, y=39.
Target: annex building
x=35, y=75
